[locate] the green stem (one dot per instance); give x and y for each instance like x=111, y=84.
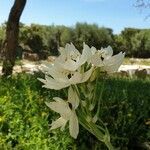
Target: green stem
x=93, y=129
x=101, y=137
x=109, y=146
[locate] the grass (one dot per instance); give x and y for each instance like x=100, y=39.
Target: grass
x=25, y=119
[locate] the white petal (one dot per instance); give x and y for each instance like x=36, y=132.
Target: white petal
x=86, y=75
x=86, y=54
x=70, y=65
x=73, y=125
x=67, y=50
x=107, y=52
x=76, y=78
x=72, y=52
x=96, y=60
x=62, y=51
x=46, y=66
x=54, y=84
x=76, y=53
x=55, y=72
x=112, y=64
x=60, y=106
x=42, y=80
x=59, y=74
x=93, y=50
x=69, y=59
x=81, y=77
x=73, y=98
x=58, y=123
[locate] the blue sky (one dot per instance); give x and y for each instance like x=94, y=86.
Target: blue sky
x=115, y=14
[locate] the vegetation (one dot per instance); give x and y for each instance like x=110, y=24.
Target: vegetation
x=47, y=39
x=25, y=119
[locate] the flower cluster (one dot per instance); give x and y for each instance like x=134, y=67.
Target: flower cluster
x=70, y=69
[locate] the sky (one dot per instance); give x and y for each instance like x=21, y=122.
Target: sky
x=115, y=14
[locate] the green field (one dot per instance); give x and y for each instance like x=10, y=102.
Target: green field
x=25, y=119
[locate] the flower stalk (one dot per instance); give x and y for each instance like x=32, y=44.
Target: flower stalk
x=79, y=74
x=101, y=135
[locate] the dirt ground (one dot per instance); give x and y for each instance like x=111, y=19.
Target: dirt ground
x=31, y=67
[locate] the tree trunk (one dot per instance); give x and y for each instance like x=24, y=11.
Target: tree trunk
x=11, y=41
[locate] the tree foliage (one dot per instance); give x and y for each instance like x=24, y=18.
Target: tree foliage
x=41, y=38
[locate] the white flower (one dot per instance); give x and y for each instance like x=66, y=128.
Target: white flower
x=67, y=68
x=113, y=63
x=66, y=109
x=103, y=58
x=70, y=58
x=58, y=78
x=107, y=52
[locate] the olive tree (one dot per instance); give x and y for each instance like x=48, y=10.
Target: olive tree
x=11, y=40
